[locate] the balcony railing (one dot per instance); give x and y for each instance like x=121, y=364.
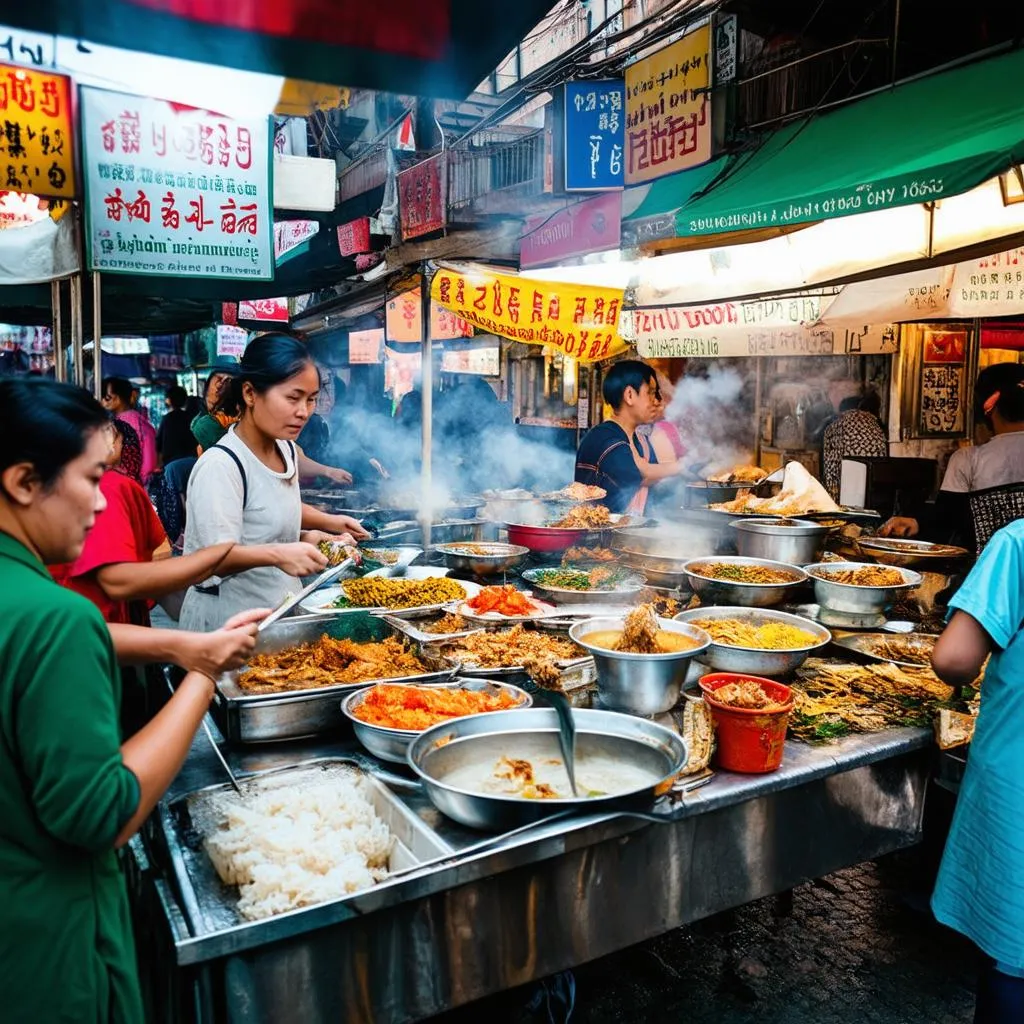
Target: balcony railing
x=489, y=165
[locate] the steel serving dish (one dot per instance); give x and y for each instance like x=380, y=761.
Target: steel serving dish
x=796, y=541
x=209, y=904
x=907, y=553
x=436, y=753
x=756, y=661
x=393, y=744
x=640, y=684
x=733, y=592
x=868, y=644
x=488, y=559
x=629, y=587
x=260, y=718
x=320, y=602
x=852, y=598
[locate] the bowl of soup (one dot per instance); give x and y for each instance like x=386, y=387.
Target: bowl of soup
x=640, y=682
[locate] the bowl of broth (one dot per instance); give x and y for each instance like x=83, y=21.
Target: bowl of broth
x=640, y=681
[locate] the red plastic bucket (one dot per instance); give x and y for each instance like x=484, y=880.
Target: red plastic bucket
x=748, y=741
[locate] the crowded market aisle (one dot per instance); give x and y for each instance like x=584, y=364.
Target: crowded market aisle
x=851, y=950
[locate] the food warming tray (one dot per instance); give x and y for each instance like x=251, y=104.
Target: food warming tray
x=210, y=905
x=259, y=718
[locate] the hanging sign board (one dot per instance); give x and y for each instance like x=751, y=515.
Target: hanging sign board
x=354, y=237
x=36, y=133
x=595, y=135
x=805, y=340
x=668, y=109
x=365, y=347
x=403, y=316
x=423, y=197
x=176, y=191
x=231, y=341
x=591, y=226
x=291, y=237
x=268, y=310
x=579, y=320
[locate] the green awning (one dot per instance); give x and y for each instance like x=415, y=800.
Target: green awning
x=655, y=217
x=938, y=136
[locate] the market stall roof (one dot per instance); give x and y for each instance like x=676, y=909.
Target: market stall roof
x=437, y=48
x=920, y=141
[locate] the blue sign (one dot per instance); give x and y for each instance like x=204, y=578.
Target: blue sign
x=595, y=135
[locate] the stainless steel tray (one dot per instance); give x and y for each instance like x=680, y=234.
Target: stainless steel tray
x=260, y=718
x=210, y=905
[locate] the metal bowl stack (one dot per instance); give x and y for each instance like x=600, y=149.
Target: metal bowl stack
x=758, y=661
x=640, y=684
x=857, y=599
x=393, y=744
x=733, y=592
x=795, y=541
x=484, y=559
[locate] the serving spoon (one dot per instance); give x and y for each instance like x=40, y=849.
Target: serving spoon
x=548, y=678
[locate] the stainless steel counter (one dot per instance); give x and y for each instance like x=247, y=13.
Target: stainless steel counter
x=559, y=896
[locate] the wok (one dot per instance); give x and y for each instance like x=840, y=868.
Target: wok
x=439, y=751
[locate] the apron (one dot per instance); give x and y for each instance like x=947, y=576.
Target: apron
x=638, y=502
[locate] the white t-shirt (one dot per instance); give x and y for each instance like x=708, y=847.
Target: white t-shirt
x=996, y=463
x=214, y=514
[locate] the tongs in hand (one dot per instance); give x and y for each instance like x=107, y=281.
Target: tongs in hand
x=327, y=576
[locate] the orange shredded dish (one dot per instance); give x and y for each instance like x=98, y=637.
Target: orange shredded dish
x=503, y=600
x=419, y=707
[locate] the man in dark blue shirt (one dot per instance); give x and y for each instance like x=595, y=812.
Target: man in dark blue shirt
x=612, y=455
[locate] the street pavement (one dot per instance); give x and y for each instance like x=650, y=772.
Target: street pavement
x=857, y=947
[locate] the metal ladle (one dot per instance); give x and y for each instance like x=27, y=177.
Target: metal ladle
x=566, y=721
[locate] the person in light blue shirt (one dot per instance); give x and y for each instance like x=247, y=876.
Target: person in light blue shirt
x=980, y=887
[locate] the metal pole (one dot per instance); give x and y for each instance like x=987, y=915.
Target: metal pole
x=60, y=370
x=427, y=386
x=97, y=333
x=77, y=356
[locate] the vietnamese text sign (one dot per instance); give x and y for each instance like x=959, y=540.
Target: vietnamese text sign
x=354, y=237
x=668, y=109
x=591, y=226
x=423, y=197
x=176, y=191
x=580, y=320
x=595, y=135
x=36, y=134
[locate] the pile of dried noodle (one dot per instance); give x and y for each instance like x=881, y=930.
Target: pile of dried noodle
x=836, y=698
x=769, y=636
x=386, y=592
x=329, y=662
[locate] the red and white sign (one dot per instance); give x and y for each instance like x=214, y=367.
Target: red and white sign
x=354, y=237
x=272, y=310
x=591, y=226
x=290, y=234
x=365, y=347
x=175, y=191
x=423, y=197
x=231, y=341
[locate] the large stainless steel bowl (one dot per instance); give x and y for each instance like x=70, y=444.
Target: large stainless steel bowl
x=749, y=595
x=640, y=684
x=488, y=738
x=755, y=660
x=393, y=744
x=484, y=559
x=907, y=553
x=796, y=541
x=858, y=600
x=627, y=590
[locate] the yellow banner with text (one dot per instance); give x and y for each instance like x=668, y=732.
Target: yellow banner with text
x=580, y=320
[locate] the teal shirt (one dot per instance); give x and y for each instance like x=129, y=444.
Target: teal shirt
x=980, y=888
x=66, y=949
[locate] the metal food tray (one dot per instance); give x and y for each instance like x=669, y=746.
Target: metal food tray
x=212, y=906
x=259, y=718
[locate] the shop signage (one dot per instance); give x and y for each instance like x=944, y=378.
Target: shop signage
x=595, y=135
x=723, y=317
x=36, y=133
x=483, y=360
x=354, y=237
x=231, y=341
x=290, y=236
x=591, y=226
x=818, y=340
x=176, y=191
x=991, y=286
x=229, y=313
x=404, y=320
x=270, y=310
x=668, y=109
x=941, y=383
x=365, y=347
x=579, y=320
x=726, y=47
x=423, y=197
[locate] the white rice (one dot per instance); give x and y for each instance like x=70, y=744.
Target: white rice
x=293, y=846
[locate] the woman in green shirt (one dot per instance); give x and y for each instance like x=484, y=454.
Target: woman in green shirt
x=71, y=792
